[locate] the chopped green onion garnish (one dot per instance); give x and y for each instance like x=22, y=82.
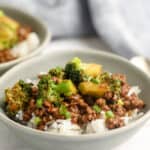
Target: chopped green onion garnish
x=37, y=120
x=120, y=102
x=53, y=85
x=67, y=115
x=116, y=86
x=63, y=111
x=87, y=78
x=94, y=80
x=117, y=82
x=109, y=114
x=96, y=108
x=39, y=103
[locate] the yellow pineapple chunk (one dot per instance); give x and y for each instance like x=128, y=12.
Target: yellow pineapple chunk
x=93, y=70
x=92, y=89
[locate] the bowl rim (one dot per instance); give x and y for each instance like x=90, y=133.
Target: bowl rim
x=83, y=137
x=42, y=24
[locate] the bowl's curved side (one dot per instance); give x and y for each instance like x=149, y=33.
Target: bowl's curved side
x=36, y=24
x=31, y=68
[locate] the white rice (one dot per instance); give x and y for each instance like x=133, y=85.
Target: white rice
x=134, y=89
x=34, y=82
x=19, y=115
x=96, y=126
x=26, y=46
x=68, y=128
x=135, y=115
x=20, y=49
x=33, y=41
x=31, y=122
x=64, y=127
x=103, y=114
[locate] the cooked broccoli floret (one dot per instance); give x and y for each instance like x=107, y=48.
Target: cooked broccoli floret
x=26, y=87
x=57, y=72
x=78, y=71
x=63, y=111
x=71, y=72
x=44, y=86
x=47, y=89
x=17, y=96
x=115, y=84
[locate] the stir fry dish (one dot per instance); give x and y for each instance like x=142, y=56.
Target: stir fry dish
x=16, y=40
x=80, y=98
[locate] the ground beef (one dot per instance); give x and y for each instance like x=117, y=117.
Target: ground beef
x=23, y=32
x=6, y=55
x=102, y=103
x=41, y=127
x=120, y=77
x=34, y=91
x=118, y=110
x=81, y=112
x=115, y=97
x=116, y=122
x=89, y=99
x=125, y=89
x=84, y=113
x=108, y=95
x=133, y=101
x=74, y=109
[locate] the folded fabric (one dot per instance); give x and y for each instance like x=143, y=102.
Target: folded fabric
x=123, y=24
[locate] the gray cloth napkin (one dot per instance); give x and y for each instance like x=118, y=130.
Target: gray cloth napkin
x=124, y=24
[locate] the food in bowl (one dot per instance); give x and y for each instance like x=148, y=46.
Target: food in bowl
x=16, y=39
x=80, y=98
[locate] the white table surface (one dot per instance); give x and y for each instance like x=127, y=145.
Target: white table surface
x=140, y=141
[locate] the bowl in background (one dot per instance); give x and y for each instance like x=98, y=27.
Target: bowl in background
x=37, y=26
x=46, y=141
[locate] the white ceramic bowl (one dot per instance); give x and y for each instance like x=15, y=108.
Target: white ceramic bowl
x=37, y=26
x=46, y=141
